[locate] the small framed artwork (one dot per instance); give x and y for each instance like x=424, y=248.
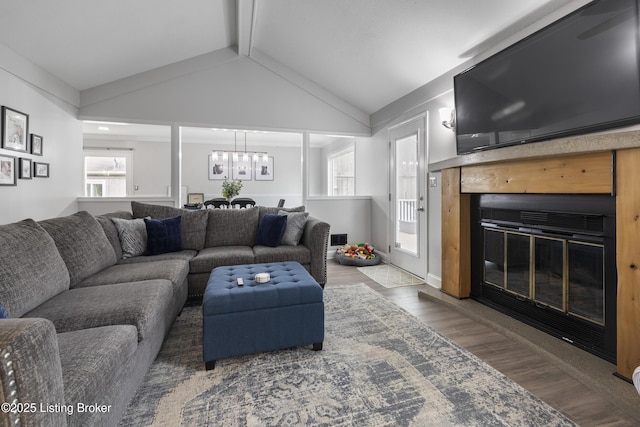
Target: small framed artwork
x=36, y=144
x=41, y=170
x=264, y=170
x=242, y=170
x=195, y=198
x=24, y=172
x=8, y=170
x=15, y=130
x=218, y=168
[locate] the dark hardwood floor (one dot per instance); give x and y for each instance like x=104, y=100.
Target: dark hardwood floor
x=562, y=388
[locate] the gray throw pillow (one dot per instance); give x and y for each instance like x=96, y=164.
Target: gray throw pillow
x=295, y=227
x=133, y=236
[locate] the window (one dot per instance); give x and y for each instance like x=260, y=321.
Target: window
x=107, y=173
x=342, y=172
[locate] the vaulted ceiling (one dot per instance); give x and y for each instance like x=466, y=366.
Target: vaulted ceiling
x=367, y=52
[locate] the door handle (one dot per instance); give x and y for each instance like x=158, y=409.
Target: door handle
x=420, y=209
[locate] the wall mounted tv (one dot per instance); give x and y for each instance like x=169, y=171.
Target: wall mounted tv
x=580, y=74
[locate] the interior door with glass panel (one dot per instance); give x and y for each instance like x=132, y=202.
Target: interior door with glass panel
x=407, y=197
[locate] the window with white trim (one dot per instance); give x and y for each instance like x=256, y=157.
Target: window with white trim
x=342, y=176
x=108, y=173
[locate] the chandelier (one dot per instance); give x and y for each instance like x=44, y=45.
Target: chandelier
x=253, y=156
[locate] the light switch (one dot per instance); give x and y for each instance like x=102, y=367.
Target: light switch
x=433, y=181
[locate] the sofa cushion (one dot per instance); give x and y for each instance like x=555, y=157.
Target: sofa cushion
x=163, y=235
x=82, y=244
x=91, y=358
x=282, y=253
x=184, y=255
x=133, y=236
x=110, y=229
x=194, y=223
x=173, y=270
x=271, y=230
x=295, y=227
x=145, y=305
x=232, y=227
x=210, y=258
x=31, y=268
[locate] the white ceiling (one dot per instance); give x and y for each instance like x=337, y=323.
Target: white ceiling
x=367, y=52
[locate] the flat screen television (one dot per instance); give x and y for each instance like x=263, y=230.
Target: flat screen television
x=580, y=74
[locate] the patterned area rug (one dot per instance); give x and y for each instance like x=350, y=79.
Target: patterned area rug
x=389, y=276
x=380, y=366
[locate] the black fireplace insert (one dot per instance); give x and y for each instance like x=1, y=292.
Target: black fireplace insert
x=549, y=261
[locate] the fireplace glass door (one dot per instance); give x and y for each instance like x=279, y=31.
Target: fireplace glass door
x=586, y=281
x=551, y=272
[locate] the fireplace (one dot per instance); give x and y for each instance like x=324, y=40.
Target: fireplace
x=549, y=261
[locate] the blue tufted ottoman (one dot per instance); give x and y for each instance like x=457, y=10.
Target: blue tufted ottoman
x=285, y=312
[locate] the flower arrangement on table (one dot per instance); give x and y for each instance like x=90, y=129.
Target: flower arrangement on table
x=359, y=254
x=231, y=188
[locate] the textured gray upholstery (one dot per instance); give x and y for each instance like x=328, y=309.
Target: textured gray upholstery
x=282, y=253
x=316, y=238
x=141, y=304
x=295, y=227
x=90, y=358
x=194, y=223
x=184, y=255
x=173, y=270
x=31, y=345
x=210, y=258
x=31, y=268
x=232, y=227
x=110, y=229
x=82, y=244
x=133, y=236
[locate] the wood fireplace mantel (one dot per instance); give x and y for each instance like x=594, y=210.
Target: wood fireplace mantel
x=606, y=172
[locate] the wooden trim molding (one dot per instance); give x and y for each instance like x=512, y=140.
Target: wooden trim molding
x=590, y=173
x=628, y=260
x=456, y=236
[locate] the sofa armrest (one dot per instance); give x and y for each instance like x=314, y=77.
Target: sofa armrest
x=30, y=373
x=316, y=238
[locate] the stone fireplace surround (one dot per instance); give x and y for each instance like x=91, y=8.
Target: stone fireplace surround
x=602, y=163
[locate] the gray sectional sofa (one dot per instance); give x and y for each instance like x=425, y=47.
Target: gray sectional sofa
x=87, y=319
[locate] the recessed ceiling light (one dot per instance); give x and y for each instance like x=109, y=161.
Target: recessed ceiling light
x=103, y=128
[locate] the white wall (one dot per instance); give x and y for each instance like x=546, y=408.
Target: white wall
x=52, y=117
x=220, y=89
x=345, y=215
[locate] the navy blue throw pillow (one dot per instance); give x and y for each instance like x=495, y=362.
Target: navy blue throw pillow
x=163, y=235
x=3, y=313
x=271, y=230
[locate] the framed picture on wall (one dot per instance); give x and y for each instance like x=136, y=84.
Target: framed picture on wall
x=36, y=145
x=41, y=170
x=264, y=170
x=7, y=170
x=242, y=170
x=218, y=168
x=15, y=130
x=25, y=168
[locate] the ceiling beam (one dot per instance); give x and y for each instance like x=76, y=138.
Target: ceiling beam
x=246, y=10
